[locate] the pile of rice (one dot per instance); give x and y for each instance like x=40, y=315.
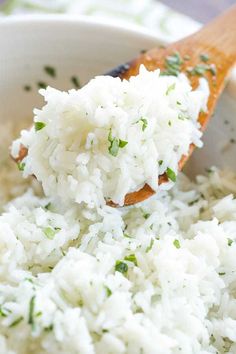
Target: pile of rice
x=112, y=136
x=154, y=278
x=80, y=277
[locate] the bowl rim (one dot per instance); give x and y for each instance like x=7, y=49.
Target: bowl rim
x=82, y=21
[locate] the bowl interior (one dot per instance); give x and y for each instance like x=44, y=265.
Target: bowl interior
x=78, y=49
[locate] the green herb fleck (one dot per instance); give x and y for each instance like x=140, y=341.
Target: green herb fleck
x=42, y=85
x=16, y=322
x=172, y=65
x=150, y=246
x=27, y=88
x=115, y=144
x=31, y=312
x=171, y=174
x=127, y=236
x=39, y=125
x=176, y=243
x=223, y=273
x=132, y=258
x=21, y=166
x=108, y=291
x=160, y=162
x=75, y=81
x=49, y=328
x=199, y=69
x=146, y=215
x=230, y=242
x=121, y=267
x=4, y=312
x=49, y=232
x=144, y=123
x=51, y=71
x=204, y=57
x=170, y=88
x=47, y=207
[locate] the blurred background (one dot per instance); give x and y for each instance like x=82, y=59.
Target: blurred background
x=168, y=19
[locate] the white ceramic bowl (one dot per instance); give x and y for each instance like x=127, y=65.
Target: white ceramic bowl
x=81, y=47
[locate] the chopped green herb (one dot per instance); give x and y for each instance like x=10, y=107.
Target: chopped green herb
x=104, y=330
x=176, y=243
x=204, y=57
x=127, y=236
x=172, y=64
x=171, y=174
x=144, y=123
x=146, y=215
x=150, y=246
x=4, y=312
x=50, y=71
x=169, y=123
x=49, y=232
x=160, y=162
x=47, y=207
x=122, y=143
x=199, y=69
x=115, y=144
x=42, y=85
x=131, y=258
x=49, y=328
x=75, y=81
x=121, y=267
x=223, y=273
x=39, y=125
x=21, y=166
x=170, y=88
x=230, y=242
x=31, y=312
x=27, y=88
x=178, y=103
x=16, y=322
x=108, y=291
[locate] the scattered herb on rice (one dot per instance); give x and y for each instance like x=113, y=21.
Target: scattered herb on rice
x=108, y=291
x=76, y=82
x=16, y=322
x=230, y=241
x=150, y=246
x=115, y=144
x=131, y=258
x=170, y=88
x=49, y=232
x=121, y=267
x=42, y=85
x=21, y=166
x=31, y=312
x=171, y=174
x=176, y=243
x=204, y=57
x=39, y=126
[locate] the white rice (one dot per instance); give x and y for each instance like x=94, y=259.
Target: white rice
x=76, y=155
x=63, y=294
x=154, y=278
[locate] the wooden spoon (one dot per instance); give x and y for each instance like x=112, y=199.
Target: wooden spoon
x=210, y=52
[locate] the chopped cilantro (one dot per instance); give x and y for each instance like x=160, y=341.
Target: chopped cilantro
x=144, y=123
x=51, y=71
x=146, y=215
x=39, y=125
x=223, y=273
x=230, y=242
x=41, y=85
x=27, y=88
x=49, y=328
x=16, y=322
x=131, y=258
x=4, y=312
x=108, y=291
x=31, y=312
x=75, y=81
x=171, y=174
x=49, y=232
x=115, y=144
x=122, y=143
x=121, y=267
x=47, y=207
x=172, y=64
x=176, y=243
x=127, y=236
x=212, y=69
x=21, y=166
x=150, y=246
x=170, y=88
x=160, y=162
x=204, y=57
